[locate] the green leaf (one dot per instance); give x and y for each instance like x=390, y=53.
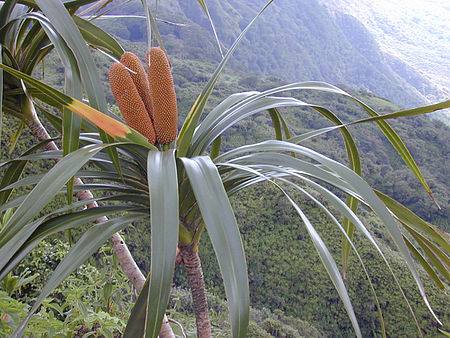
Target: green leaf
x=98, y=38
x=11, y=175
x=255, y=102
x=406, y=216
x=215, y=148
x=138, y=317
x=445, y=333
x=39, y=197
x=351, y=216
x=5, y=12
x=91, y=240
x=66, y=27
x=15, y=137
x=357, y=184
x=54, y=119
x=430, y=249
x=389, y=132
x=424, y=264
x=71, y=122
x=242, y=105
x=276, y=121
x=329, y=264
x=58, y=224
x=152, y=27
x=187, y=131
x=210, y=130
x=408, y=112
x=148, y=22
x=63, y=22
x=225, y=237
x=275, y=116
x=284, y=160
x=163, y=186
x=205, y=9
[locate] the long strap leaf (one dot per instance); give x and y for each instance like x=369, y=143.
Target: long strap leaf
x=66, y=27
x=205, y=9
x=163, y=186
x=194, y=115
x=225, y=237
x=58, y=224
x=358, y=185
x=39, y=197
x=98, y=38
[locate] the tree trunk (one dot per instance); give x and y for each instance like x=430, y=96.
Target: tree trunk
x=194, y=271
x=120, y=248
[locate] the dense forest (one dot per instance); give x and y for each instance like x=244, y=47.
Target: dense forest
x=291, y=295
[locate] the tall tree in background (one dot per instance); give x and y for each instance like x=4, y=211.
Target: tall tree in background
x=182, y=186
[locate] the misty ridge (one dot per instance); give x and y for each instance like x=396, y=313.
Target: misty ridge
x=294, y=40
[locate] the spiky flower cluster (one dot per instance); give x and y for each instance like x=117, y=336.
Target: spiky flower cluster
x=148, y=104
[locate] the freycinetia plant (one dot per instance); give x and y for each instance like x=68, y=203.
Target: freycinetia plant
x=180, y=182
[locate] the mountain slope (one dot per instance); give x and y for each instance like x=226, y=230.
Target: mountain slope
x=294, y=40
x=414, y=36
x=413, y=31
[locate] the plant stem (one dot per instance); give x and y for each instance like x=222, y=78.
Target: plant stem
x=120, y=248
x=194, y=272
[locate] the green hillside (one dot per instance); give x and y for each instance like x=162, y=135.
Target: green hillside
x=294, y=40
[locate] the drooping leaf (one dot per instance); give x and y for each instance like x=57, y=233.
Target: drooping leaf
x=14, y=171
x=5, y=12
x=252, y=103
x=58, y=224
x=63, y=22
x=431, y=250
x=225, y=237
x=73, y=87
x=406, y=216
x=39, y=197
x=66, y=27
x=389, y=132
x=163, y=186
x=424, y=264
x=330, y=265
x=138, y=317
x=358, y=185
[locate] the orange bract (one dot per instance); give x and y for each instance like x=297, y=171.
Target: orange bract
x=130, y=102
x=164, y=101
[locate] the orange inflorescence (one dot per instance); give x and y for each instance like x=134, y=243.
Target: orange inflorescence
x=130, y=102
x=140, y=79
x=164, y=100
